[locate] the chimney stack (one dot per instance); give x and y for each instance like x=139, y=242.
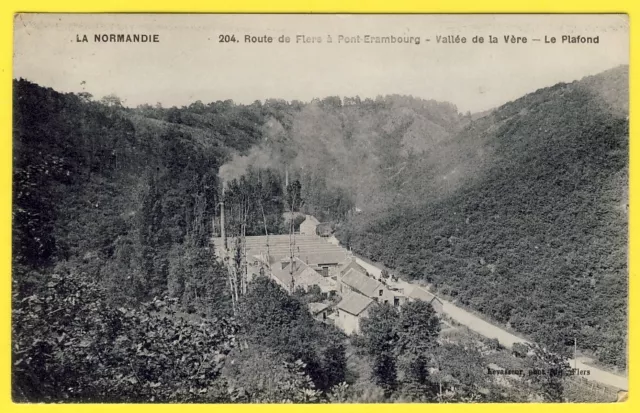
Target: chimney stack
x=223, y=235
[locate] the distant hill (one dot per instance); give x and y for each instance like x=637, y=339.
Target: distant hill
x=348, y=152
x=113, y=212
x=92, y=177
x=523, y=216
x=519, y=213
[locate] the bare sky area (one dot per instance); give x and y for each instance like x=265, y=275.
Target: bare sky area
x=189, y=63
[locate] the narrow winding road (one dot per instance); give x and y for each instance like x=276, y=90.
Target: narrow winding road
x=505, y=338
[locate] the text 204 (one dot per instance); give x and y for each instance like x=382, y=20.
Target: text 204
x=225, y=38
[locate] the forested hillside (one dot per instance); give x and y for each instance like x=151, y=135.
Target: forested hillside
x=519, y=213
x=168, y=160
x=348, y=153
x=116, y=293
x=525, y=220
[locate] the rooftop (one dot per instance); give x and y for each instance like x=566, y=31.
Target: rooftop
x=311, y=248
x=360, y=282
x=325, y=257
x=354, y=303
x=418, y=293
x=325, y=288
x=315, y=308
x=285, y=275
x=352, y=264
x=311, y=220
x=308, y=276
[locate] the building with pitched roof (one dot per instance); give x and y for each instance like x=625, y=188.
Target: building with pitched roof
x=413, y=292
x=354, y=280
x=320, y=311
x=285, y=273
x=325, y=262
x=309, y=225
x=351, y=263
x=394, y=297
x=310, y=277
x=270, y=250
x=350, y=310
x=324, y=229
x=300, y=275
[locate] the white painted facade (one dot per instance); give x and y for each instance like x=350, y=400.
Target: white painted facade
x=309, y=225
x=348, y=322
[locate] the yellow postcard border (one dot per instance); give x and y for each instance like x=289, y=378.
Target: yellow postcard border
x=9, y=8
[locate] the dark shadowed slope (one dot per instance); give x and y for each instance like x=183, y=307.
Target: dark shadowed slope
x=535, y=233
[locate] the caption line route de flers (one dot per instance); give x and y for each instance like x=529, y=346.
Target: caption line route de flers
x=415, y=40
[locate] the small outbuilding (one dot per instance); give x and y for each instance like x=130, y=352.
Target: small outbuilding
x=320, y=311
x=324, y=229
x=309, y=225
x=414, y=292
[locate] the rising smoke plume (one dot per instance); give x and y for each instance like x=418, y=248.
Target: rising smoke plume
x=259, y=157
x=267, y=155
x=360, y=150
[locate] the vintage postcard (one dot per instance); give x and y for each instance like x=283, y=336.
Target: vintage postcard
x=228, y=208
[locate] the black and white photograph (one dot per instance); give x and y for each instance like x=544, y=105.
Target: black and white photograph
x=320, y=208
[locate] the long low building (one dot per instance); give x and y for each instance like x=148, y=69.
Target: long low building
x=314, y=251
x=281, y=245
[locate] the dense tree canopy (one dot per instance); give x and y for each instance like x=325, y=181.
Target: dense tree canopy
x=270, y=317
x=536, y=236
x=118, y=296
